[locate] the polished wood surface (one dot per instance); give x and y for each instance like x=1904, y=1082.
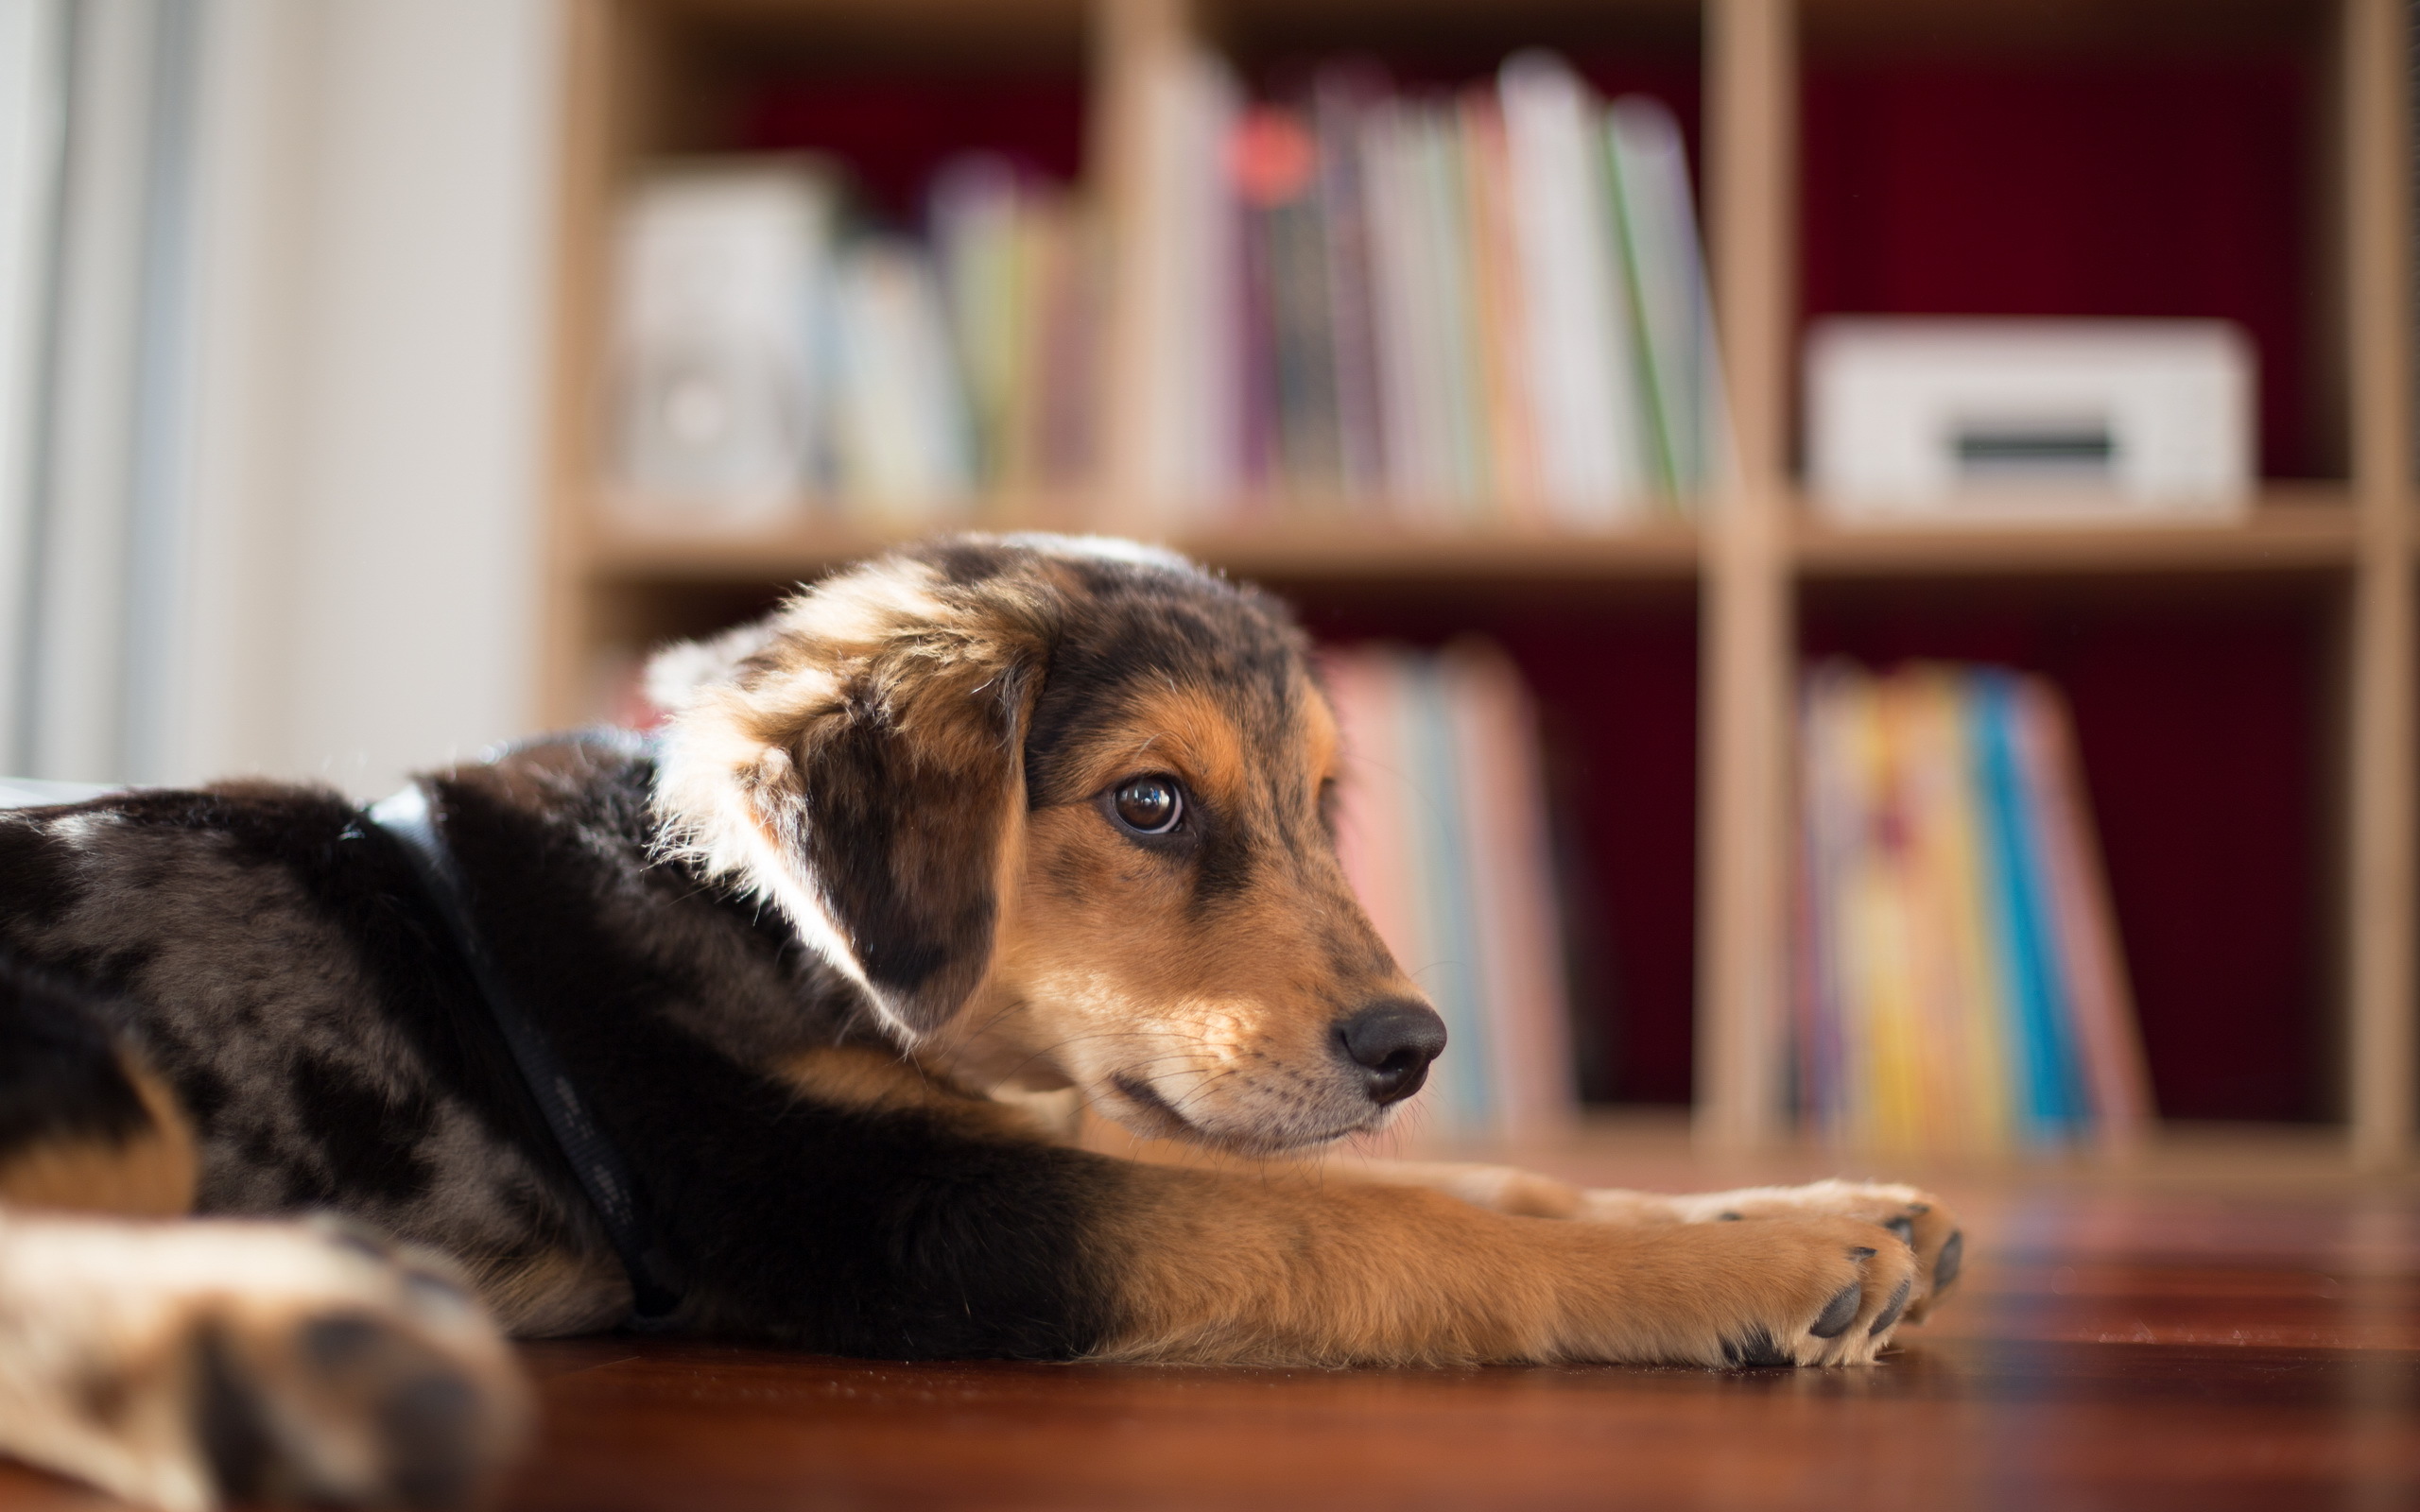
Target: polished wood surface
x=2231, y=1324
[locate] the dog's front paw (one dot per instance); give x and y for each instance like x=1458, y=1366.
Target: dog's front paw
x=1920, y=1220
x=1803, y=1291
x=185, y=1365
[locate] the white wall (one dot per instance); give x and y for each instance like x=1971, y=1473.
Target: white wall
x=375, y=199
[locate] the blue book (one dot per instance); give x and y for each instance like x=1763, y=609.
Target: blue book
x=1464, y=1077
x=2048, y=1100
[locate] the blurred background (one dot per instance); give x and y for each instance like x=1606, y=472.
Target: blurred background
x=1865, y=542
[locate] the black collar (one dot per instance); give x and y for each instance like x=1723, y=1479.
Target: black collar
x=602, y=1172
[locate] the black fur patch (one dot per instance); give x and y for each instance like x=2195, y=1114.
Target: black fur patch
x=893, y=1234
x=40, y=868
x=906, y=852
x=61, y=1075
x=273, y=1055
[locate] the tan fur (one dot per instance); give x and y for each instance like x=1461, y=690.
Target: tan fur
x=863, y=1076
x=1112, y=979
x=1286, y=1269
x=148, y=1175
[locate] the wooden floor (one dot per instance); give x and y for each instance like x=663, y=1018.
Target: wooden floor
x=2231, y=1327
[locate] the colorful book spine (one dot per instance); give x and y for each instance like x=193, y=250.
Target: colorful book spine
x=781, y=353
x=1960, y=984
x=1515, y=922
x=1444, y=308
x=1443, y=831
x=1450, y=972
x=2117, y=1083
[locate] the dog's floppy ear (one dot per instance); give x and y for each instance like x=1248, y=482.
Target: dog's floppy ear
x=677, y=674
x=858, y=761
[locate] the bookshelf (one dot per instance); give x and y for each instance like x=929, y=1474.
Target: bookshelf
x=1734, y=592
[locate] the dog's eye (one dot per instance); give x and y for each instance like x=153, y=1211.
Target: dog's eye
x=1149, y=805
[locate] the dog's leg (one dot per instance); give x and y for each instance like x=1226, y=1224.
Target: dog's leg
x=1920, y=1219
x=962, y=1230
x=182, y=1364
x=1215, y=1266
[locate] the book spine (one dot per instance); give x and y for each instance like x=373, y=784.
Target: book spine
x=1829, y=821
x=1310, y=442
x=1886, y=909
x=1340, y=99
x=1587, y=419
x=1929, y=795
x=1979, y=1074
x=1397, y=301
x=1501, y=320
x=1468, y=1101
x=2114, y=1076
x=1511, y=869
x=2048, y=1103
x=1259, y=396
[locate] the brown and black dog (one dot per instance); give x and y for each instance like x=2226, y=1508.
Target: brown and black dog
x=991, y=816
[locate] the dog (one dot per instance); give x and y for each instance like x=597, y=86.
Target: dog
x=969, y=824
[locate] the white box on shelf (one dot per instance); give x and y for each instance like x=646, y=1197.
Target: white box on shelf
x=718, y=273
x=2007, y=419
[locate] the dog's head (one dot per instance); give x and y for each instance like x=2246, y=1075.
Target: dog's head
x=1063, y=809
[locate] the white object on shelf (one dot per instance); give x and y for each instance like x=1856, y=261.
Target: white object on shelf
x=2013, y=418
x=721, y=271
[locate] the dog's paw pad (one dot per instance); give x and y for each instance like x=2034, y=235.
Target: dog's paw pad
x=1838, y=1313
x=349, y=1405
x=344, y=1407
x=1946, y=1264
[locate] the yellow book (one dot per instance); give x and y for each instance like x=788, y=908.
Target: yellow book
x=1967, y=1069
x=1878, y=1007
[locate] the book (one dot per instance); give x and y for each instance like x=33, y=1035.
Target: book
x=2033, y=980
x=901, y=437
x=1960, y=982
x=1340, y=97
x=2116, y=1082
x=1515, y=916
x=1680, y=374
x=1500, y=321
x=1589, y=456
x=778, y=347
x=1441, y=828
x=1418, y=305
x=718, y=273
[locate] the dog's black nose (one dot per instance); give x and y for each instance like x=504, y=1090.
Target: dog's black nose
x=1393, y=1040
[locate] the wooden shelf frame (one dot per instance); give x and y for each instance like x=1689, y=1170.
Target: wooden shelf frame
x=1749, y=552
